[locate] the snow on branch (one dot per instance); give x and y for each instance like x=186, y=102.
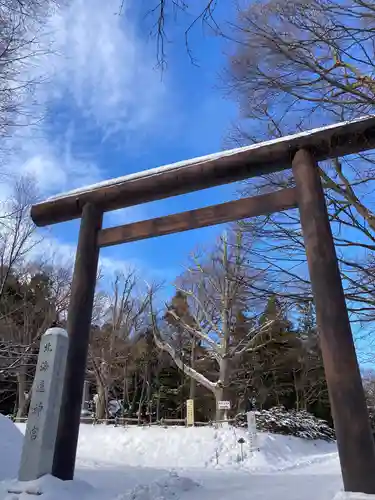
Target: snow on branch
x=202, y=308
x=166, y=347
x=251, y=343
x=197, y=333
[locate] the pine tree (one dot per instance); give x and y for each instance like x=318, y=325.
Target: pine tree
x=312, y=387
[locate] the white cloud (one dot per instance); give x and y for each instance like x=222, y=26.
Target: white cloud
x=95, y=80
x=51, y=249
x=95, y=88
x=103, y=66
x=49, y=161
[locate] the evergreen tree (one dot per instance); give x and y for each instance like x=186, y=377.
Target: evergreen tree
x=312, y=388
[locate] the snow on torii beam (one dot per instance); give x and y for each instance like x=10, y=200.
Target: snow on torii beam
x=208, y=171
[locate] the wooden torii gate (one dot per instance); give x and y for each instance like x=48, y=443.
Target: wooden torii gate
x=301, y=152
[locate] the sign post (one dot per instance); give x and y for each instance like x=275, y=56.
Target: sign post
x=41, y=429
x=190, y=412
x=224, y=405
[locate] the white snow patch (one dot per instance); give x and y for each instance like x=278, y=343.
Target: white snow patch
x=200, y=447
x=343, y=495
x=11, y=440
x=167, y=488
x=199, y=160
x=56, y=331
x=181, y=448
x=50, y=488
x=137, y=463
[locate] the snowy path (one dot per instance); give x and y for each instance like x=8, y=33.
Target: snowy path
x=278, y=487
x=270, y=487
x=320, y=480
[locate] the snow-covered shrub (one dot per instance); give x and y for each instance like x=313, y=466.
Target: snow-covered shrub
x=278, y=420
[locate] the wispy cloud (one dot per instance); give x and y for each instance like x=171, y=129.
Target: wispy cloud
x=95, y=90
x=49, y=160
x=50, y=249
x=103, y=67
x=96, y=83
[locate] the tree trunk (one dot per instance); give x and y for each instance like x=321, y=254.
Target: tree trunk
x=100, y=407
x=225, y=343
x=135, y=392
x=21, y=388
x=192, y=364
x=221, y=390
x=141, y=400
x=158, y=406
x=296, y=390
x=125, y=392
x=219, y=394
x=158, y=390
x=101, y=377
x=126, y=384
x=149, y=396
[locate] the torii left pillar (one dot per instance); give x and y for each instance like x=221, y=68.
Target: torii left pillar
x=79, y=325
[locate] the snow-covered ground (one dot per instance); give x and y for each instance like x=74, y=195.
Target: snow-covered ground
x=10, y=448
x=179, y=463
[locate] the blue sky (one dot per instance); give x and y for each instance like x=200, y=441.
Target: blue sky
x=108, y=111
x=102, y=110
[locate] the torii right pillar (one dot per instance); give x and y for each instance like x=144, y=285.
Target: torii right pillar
x=349, y=410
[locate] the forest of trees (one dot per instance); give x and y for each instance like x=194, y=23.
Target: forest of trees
x=214, y=340
x=241, y=323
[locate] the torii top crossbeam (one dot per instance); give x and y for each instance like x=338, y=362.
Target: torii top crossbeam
x=208, y=171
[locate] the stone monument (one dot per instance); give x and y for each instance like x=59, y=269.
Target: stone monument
x=41, y=429
x=252, y=430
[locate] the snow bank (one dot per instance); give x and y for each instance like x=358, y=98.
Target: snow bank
x=201, y=447
x=169, y=487
x=183, y=448
x=136, y=463
x=50, y=487
x=353, y=496
x=11, y=440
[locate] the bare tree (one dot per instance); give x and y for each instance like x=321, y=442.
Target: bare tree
x=17, y=230
x=20, y=28
x=297, y=65
x=33, y=299
x=33, y=295
x=165, y=15
x=111, y=345
x=217, y=292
